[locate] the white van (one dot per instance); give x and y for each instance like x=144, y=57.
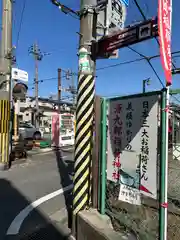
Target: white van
x=66, y=139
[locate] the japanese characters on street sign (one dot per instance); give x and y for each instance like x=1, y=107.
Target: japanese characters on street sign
x=118, y=15
x=132, y=145
x=111, y=17
x=122, y=38
x=18, y=74
x=164, y=23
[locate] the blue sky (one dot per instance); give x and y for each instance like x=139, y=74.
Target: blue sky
x=55, y=32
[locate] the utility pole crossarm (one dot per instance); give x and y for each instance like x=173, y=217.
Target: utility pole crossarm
x=64, y=8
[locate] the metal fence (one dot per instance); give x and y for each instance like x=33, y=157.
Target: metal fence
x=142, y=221
x=173, y=198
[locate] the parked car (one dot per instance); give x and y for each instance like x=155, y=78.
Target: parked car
x=27, y=130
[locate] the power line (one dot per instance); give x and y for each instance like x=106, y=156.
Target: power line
x=150, y=64
x=119, y=64
x=47, y=79
x=175, y=98
x=110, y=66
x=14, y=16
x=144, y=17
x=21, y=21
x=155, y=72
x=66, y=10
x=133, y=61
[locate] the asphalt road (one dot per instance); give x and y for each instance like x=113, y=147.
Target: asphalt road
x=25, y=183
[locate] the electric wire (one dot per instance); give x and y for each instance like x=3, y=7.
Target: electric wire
x=144, y=17
x=21, y=21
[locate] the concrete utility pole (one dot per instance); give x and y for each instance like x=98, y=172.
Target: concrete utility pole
x=36, y=52
x=6, y=46
x=6, y=58
x=84, y=109
x=59, y=90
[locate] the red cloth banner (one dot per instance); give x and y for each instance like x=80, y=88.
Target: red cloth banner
x=164, y=28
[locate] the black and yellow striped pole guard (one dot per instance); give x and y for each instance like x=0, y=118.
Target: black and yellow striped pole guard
x=4, y=133
x=83, y=142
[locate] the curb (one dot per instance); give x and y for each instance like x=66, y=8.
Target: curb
x=40, y=150
x=24, y=160
x=68, y=149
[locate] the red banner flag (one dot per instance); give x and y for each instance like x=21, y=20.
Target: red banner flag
x=164, y=28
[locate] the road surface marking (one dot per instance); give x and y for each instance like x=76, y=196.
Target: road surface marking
x=18, y=220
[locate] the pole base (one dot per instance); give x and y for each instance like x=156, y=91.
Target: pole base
x=4, y=166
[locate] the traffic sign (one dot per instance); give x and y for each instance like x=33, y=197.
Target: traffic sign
x=19, y=91
x=112, y=17
x=118, y=15
x=126, y=2
x=128, y=36
x=18, y=74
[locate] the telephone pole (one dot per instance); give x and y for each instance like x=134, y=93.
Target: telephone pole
x=59, y=90
x=38, y=56
x=84, y=109
x=6, y=46
x=73, y=90
x=146, y=82
x=6, y=58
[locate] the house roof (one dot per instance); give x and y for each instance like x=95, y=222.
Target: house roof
x=47, y=100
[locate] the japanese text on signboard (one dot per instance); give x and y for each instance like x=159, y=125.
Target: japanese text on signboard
x=117, y=129
x=132, y=143
x=144, y=141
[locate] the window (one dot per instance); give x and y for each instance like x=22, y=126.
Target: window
x=66, y=117
x=25, y=125
x=66, y=138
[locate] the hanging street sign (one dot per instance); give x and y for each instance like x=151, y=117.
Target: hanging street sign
x=111, y=18
x=18, y=74
x=118, y=14
x=164, y=22
x=128, y=36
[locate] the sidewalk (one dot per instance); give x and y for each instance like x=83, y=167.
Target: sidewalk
x=37, y=150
